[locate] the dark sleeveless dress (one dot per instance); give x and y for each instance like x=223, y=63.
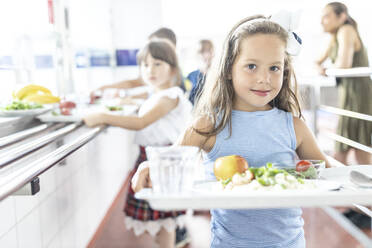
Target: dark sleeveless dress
x=355, y=94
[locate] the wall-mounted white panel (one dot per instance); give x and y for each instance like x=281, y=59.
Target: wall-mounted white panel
x=49, y=218
x=24, y=204
x=7, y=215
x=29, y=231
x=9, y=239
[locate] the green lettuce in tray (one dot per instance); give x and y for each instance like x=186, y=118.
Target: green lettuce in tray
x=19, y=105
x=306, y=169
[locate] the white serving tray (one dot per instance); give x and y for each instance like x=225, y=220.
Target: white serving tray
x=348, y=194
x=79, y=113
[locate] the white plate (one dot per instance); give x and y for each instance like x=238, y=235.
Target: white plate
x=215, y=188
x=341, y=174
x=49, y=117
x=79, y=113
x=25, y=112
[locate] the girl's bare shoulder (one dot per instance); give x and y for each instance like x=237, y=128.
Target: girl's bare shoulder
x=203, y=123
x=299, y=124
x=194, y=136
x=301, y=130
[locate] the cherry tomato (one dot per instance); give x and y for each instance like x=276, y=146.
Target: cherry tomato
x=65, y=111
x=67, y=104
x=303, y=165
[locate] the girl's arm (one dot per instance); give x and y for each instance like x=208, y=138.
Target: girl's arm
x=307, y=148
x=346, y=38
x=163, y=107
x=125, y=84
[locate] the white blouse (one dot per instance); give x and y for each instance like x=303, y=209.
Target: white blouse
x=167, y=129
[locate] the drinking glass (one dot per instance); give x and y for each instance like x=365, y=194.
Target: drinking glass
x=172, y=168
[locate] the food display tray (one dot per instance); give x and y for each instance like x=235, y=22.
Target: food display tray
x=345, y=195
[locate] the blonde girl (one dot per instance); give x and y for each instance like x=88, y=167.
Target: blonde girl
x=249, y=108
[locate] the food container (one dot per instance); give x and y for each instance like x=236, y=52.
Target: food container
x=311, y=173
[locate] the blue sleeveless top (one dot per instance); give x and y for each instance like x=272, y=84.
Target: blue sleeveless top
x=259, y=137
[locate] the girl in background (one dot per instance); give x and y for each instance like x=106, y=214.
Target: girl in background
x=249, y=107
x=197, y=77
x=161, y=119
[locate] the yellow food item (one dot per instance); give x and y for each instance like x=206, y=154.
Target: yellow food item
x=30, y=90
x=42, y=98
x=225, y=167
x=35, y=93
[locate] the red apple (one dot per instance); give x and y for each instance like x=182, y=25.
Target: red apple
x=226, y=167
x=67, y=104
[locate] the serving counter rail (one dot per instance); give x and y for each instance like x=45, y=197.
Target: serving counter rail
x=79, y=172
x=14, y=179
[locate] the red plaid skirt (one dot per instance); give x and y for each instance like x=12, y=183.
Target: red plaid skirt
x=140, y=209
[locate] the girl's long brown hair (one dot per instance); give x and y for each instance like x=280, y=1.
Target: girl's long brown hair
x=216, y=100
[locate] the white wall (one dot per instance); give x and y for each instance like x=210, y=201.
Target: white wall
x=125, y=24
x=24, y=25
x=193, y=20
x=115, y=24
x=132, y=22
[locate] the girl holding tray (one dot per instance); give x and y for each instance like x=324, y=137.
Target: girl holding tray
x=249, y=107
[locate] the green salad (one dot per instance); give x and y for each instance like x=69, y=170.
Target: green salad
x=310, y=173
x=265, y=178
x=19, y=105
x=266, y=175
x=114, y=108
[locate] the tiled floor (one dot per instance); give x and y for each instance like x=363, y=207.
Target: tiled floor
x=320, y=231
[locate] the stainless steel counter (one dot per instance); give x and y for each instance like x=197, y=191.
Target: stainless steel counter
x=80, y=171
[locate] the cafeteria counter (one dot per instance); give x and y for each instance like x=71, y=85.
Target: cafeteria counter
x=75, y=173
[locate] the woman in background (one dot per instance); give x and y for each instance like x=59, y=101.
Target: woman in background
x=346, y=50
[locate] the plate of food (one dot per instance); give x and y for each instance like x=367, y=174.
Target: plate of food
x=20, y=108
x=68, y=111
x=264, y=179
x=233, y=174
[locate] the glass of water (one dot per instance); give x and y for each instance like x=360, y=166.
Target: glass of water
x=172, y=168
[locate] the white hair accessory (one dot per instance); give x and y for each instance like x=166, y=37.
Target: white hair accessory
x=289, y=21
